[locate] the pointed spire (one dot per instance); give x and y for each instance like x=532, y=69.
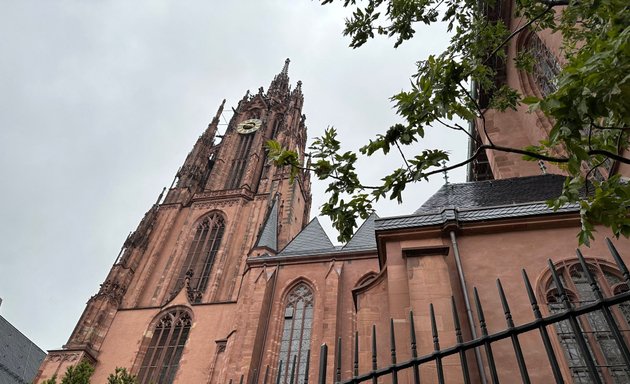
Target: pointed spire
x=269, y=234
x=280, y=85
x=311, y=239
x=364, y=237
x=217, y=117
x=208, y=136
x=285, y=69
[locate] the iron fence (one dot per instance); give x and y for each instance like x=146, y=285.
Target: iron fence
x=568, y=315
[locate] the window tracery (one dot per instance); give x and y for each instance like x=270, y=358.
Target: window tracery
x=595, y=329
x=296, y=334
x=546, y=66
x=165, y=349
x=201, y=255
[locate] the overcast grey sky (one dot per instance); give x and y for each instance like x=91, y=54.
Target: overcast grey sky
x=100, y=101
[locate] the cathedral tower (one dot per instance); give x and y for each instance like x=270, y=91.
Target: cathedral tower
x=227, y=203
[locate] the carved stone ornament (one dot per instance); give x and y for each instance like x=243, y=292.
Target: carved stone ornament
x=111, y=290
x=194, y=295
x=63, y=356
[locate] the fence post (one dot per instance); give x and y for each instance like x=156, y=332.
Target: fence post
x=323, y=356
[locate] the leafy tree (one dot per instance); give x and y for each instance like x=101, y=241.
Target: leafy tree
x=121, y=376
x=75, y=374
x=52, y=380
x=78, y=374
x=589, y=110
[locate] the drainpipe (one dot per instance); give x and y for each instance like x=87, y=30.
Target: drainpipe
x=469, y=314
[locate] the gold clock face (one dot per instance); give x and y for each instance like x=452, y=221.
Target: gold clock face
x=248, y=126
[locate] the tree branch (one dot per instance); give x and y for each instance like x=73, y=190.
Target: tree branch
x=457, y=127
x=402, y=155
x=517, y=31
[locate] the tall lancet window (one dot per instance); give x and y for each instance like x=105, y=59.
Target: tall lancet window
x=201, y=254
x=598, y=335
x=296, y=334
x=240, y=161
x=161, y=359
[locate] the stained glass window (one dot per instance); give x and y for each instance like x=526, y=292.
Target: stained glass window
x=601, y=344
x=296, y=334
x=546, y=65
x=202, y=253
x=161, y=360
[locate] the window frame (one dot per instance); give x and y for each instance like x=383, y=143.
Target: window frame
x=303, y=343
x=155, y=352
x=601, y=270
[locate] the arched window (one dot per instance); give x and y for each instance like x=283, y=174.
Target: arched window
x=296, y=334
x=546, y=66
x=598, y=335
x=240, y=160
x=161, y=359
x=201, y=254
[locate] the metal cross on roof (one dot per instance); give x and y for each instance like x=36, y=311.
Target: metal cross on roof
x=444, y=170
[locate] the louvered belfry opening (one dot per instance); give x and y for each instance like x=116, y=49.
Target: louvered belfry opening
x=201, y=254
x=240, y=161
x=162, y=357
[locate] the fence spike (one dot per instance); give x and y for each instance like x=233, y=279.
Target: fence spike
x=279, y=376
x=458, y=336
x=618, y=260
x=356, y=354
x=612, y=325
x=323, y=357
x=575, y=327
x=516, y=345
x=436, y=345
x=292, y=377
x=551, y=356
x=392, y=340
x=241, y=381
x=230, y=382
x=484, y=334
x=266, y=374
x=414, y=350
x=338, y=359
x=308, y=366
x=255, y=376
x=374, y=363
x=392, y=343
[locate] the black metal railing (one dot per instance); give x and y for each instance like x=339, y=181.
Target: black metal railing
x=569, y=314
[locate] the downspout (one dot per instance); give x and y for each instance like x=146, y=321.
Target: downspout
x=469, y=314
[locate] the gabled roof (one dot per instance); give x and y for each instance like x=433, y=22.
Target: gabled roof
x=269, y=234
x=312, y=239
x=20, y=358
x=364, y=236
x=494, y=193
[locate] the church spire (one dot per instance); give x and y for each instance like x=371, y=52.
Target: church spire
x=196, y=167
x=280, y=84
x=285, y=69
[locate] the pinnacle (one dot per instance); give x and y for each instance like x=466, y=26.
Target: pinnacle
x=285, y=69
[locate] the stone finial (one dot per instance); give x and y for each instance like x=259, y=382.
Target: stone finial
x=285, y=69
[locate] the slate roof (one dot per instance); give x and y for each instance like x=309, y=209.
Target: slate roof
x=470, y=215
x=312, y=239
x=20, y=358
x=493, y=193
x=364, y=236
x=269, y=234
x=484, y=200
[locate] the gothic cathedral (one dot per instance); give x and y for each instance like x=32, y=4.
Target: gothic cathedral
x=226, y=280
